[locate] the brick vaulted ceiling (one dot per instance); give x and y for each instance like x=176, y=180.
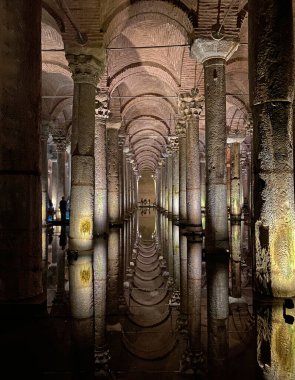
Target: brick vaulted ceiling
x=146, y=47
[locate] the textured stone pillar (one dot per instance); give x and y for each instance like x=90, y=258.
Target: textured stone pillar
x=275, y=339
x=85, y=72
x=213, y=54
x=217, y=314
x=114, y=215
x=271, y=73
x=235, y=214
x=203, y=186
x=20, y=183
x=100, y=254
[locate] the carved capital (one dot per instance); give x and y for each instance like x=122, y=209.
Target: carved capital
x=203, y=49
x=59, y=136
x=85, y=68
x=44, y=130
x=180, y=130
x=101, y=105
x=190, y=104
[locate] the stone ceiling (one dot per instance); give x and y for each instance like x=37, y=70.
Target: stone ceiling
x=146, y=46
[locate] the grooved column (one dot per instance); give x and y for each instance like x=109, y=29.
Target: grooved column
x=213, y=54
x=271, y=73
x=20, y=182
x=85, y=72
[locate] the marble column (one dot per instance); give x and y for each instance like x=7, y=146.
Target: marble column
x=175, y=215
x=113, y=215
x=86, y=70
x=100, y=254
x=181, y=133
x=213, y=54
x=44, y=133
x=235, y=214
x=190, y=109
x=271, y=74
x=20, y=182
x=217, y=314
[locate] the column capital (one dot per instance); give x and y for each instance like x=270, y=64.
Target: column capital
x=101, y=105
x=235, y=138
x=85, y=68
x=181, y=130
x=190, y=104
x=203, y=49
x=58, y=133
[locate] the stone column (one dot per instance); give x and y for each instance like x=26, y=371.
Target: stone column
x=44, y=132
x=181, y=133
x=54, y=182
x=271, y=73
x=58, y=133
x=217, y=314
x=213, y=54
x=275, y=339
x=190, y=109
x=113, y=214
x=235, y=214
x=20, y=182
x=175, y=215
x=86, y=70
x=100, y=258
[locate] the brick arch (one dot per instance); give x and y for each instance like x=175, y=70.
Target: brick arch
x=141, y=11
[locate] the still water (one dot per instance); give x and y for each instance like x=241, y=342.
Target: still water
x=148, y=328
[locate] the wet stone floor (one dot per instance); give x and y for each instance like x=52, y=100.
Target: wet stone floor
x=148, y=338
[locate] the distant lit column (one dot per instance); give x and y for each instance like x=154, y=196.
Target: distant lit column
x=271, y=73
x=86, y=70
x=100, y=254
x=235, y=213
x=175, y=214
x=113, y=214
x=181, y=133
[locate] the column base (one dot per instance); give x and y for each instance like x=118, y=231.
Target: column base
x=192, y=363
x=101, y=363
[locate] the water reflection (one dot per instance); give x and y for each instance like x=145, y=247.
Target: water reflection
x=150, y=331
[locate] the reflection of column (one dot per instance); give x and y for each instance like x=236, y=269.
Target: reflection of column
x=217, y=313
x=20, y=186
x=60, y=264
x=113, y=214
x=235, y=214
x=276, y=339
x=85, y=72
x=271, y=95
x=101, y=354
x=213, y=54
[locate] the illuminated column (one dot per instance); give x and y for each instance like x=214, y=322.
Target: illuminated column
x=271, y=76
x=85, y=72
x=181, y=133
x=275, y=339
x=190, y=108
x=217, y=314
x=175, y=214
x=121, y=172
x=44, y=132
x=235, y=213
x=213, y=54
x=54, y=183
x=113, y=214
x=100, y=254
x=58, y=133
x=20, y=182
x=60, y=266
x=203, y=185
